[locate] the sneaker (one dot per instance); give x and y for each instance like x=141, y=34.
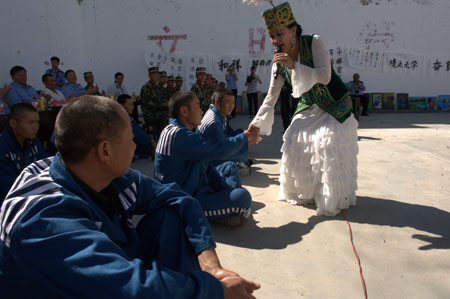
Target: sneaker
x=233, y=221
x=244, y=170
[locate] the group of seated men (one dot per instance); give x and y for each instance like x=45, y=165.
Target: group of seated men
x=67, y=227
x=81, y=201
x=59, y=86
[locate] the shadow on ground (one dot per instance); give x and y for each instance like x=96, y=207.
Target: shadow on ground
x=369, y=210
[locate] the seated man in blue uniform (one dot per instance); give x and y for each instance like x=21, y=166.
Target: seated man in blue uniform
x=66, y=227
x=19, y=145
x=215, y=125
x=72, y=89
x=144, y=142
x=20, y=91
x=184, y=156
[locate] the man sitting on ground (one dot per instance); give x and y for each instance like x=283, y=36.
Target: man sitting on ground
x=144, y=142
x=19, y=145
x=184, y=157
x=215, y=125
x=67, y=231
x=72, y=89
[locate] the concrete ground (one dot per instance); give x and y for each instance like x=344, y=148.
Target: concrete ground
x=401, y=224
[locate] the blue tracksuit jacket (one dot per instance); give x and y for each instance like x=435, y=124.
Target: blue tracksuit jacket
x=13, y=159
x=216, y=127
x=55, y=241
x=184, y=156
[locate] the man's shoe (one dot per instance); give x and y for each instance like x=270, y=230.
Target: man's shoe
x=364, y=114
x=233, y=221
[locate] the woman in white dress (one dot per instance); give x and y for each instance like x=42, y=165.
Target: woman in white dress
x=319, y=163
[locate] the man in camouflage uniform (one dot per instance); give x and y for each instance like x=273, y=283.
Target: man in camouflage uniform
x=199, y=88
x=178, y=83
x=154, y=103
x=209, y=85
x=171, y=88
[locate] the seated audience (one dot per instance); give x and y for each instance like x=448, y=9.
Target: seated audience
x=72, y=89
x=117, y=88
x=57, y=97
x=356, y=89
x=184, y=157
x=215, y=126
x=90, y=87
x=144, y=142
x=19, y=145
x=4, y=107
x=20, y=91
x=56, y=73
x=67, y=230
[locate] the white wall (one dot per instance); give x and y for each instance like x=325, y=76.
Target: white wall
x=106, y=36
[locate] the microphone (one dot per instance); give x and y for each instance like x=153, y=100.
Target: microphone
x=278, y=68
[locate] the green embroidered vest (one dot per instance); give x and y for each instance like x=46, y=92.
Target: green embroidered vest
x=333, y=98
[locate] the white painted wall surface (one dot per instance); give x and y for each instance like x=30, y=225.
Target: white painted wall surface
x=106, y=36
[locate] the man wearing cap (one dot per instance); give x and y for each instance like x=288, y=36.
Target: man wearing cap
x=72, y=88
x=178, y=82
x=171, y=88
x=199, y=88
x=90, y=87
x=154, y=102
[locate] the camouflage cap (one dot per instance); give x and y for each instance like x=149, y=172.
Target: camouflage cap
x=278, y=17
x=153, y=69
x=88, y=74
x=179, y=78
x=200, y=70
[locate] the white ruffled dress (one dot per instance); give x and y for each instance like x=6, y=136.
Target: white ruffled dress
x=319, y=162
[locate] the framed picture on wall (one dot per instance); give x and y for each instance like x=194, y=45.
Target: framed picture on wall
x=417, y=103
x=431, y=103
x=388, y=101
x=402, y=101
x=444, y=102
x=377, y=101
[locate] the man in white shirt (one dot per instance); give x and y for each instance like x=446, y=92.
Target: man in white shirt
x=57, y=97
x=117, y=88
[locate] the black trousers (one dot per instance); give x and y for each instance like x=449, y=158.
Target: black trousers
x=288, y=104
x=364, y=100
x=233, y=114
x=252, y=99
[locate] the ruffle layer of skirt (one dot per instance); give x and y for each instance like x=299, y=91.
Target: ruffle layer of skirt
x=319, y=162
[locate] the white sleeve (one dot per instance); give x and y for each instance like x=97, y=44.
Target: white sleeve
x=264, y=117
x=304, y=77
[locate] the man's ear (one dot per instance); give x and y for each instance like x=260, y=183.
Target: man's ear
x=184, y=111
x=13, y=123
x=104, y=152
